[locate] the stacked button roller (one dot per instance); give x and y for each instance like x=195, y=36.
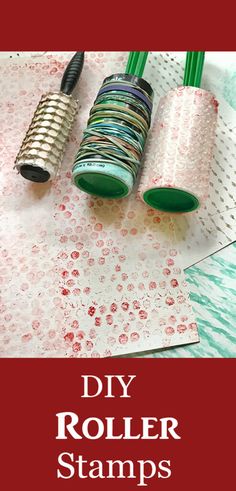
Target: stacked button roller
x=109, y=158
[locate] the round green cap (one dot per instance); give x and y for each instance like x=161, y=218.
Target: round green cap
x=101, y=185
x=172, y=200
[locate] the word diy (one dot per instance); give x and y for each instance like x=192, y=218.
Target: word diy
x=112, y=386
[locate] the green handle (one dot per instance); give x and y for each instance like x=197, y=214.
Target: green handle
x=193, y=68
x=136, y=63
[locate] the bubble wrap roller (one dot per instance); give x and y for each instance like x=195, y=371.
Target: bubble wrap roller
x=179, y=152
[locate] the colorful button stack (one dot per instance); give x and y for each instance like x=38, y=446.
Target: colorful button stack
x=109, y=158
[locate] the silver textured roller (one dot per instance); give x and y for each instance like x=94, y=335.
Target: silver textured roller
x=42, y=150
x=43, y=147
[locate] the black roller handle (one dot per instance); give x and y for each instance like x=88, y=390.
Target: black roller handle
x=72, y=73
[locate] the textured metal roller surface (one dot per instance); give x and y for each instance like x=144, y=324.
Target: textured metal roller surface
x=44, y=144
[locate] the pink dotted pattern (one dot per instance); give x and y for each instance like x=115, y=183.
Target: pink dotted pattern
x=80, y=277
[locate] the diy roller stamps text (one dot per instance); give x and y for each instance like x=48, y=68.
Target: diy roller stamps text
x=73, y=428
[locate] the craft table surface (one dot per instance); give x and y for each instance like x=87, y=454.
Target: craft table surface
x=212, y=284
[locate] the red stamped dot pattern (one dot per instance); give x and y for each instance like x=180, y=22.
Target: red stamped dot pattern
x=80, y=276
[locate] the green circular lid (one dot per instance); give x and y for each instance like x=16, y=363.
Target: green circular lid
x=103, y=185
x=172, y=200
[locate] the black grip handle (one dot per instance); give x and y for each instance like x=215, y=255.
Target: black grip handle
x=72, y=73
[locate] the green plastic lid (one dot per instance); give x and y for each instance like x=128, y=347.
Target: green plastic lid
x=102, y=185
x=103, y=179
x=172, y=200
